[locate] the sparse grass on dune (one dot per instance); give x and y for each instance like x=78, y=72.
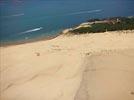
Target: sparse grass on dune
x=111, y=24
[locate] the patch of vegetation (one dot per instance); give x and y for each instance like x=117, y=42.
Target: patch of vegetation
x=111, y=24
x=92, y=20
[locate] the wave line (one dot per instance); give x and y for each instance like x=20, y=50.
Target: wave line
x=15, y=15
x=84, y=12
x=31, y=30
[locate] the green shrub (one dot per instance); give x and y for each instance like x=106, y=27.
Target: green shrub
x=124, y=24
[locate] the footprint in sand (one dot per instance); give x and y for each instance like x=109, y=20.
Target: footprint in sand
x=56, y=47
x=37, y=54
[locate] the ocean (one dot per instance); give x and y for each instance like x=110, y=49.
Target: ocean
x=22, y=20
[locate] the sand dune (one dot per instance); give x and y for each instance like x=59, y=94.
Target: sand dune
x=78, y=67
x=108, y=76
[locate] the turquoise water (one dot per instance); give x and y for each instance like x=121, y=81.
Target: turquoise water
x=31, y=19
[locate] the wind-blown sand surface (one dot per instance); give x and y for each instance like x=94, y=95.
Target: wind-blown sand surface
x=79, y=67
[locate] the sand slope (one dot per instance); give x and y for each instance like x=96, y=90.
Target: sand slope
x=57, y=69
x=108, y=76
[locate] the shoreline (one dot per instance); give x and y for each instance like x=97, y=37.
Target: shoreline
x=28, y=41
x=67, y=31
x=64, y=32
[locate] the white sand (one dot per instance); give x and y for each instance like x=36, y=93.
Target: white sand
x=54, y=69
x=109, y=75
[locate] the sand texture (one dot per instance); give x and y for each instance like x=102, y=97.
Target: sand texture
x=76, y=67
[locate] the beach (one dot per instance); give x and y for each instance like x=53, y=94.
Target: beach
x=95, y=66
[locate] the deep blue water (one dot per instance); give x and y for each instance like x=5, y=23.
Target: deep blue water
x=31, y=19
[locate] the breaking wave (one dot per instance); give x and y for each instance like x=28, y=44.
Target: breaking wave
x=84, y=12
x=31, y=30
x=15, y=15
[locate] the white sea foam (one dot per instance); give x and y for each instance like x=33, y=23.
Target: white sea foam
x=15, y=15
x=31, y=30
x=84, y=12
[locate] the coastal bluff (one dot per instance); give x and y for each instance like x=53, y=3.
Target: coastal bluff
x=97, y=66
